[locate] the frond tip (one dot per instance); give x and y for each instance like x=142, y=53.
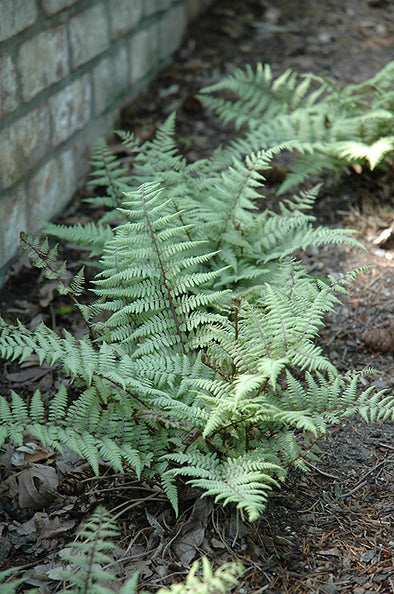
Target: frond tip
x=245, y=481
x=223, y=579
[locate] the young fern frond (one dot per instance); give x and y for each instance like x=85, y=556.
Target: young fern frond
x=85, y=574
x=87, y=557
x=109, y=174
x=234, y=200
x=223, y=580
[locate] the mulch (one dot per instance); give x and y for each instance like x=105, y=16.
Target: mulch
x=327, y=531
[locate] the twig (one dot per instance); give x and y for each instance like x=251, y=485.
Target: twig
x=327, y=474
x=362, y=482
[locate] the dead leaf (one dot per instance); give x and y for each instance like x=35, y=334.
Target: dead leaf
x=35, y=487
x=143, y=566
x=377, y=43
x=334, y=552
x=23, y=306
x=41, y=526
x=38, y=577
x=49, y=528
x=380, y=339
x=30, y=453
x=192, y=536
x=186, y=547
x=30, y=374
x=47, y=292
x=5, y=548
x=217, y=544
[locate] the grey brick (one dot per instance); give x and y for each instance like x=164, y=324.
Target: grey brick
x=53, y=6
x=8, y=86
x=16, y=15
x=125, y=15
x=163, y=4
x=23, y=144
x=172, y=27
x=71, y=109
x=13, y=219
x=150, y=7
x=43, y=61
x=89, y=34
x=144, y=50
x=110, y=78
x=50, y=189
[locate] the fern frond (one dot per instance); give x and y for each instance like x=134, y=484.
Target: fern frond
x=245, y=481
x=356, y=151
x=92, y=235
x=85, y=427
x=12, y=587
x=222, y=580
x=151, y=279
x=107, y=172
x=327, y=127
x=87, y=557
x=258, y=93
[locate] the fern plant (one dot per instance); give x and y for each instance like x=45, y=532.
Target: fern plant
x=199, y=361
x=326, y=125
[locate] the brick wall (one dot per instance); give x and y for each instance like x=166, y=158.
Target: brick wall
x=66, y=67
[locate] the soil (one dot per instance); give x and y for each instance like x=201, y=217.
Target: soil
x=327, y=531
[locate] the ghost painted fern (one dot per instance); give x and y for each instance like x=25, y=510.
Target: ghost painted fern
x=200, y=361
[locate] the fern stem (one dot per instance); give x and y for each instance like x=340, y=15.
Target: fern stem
x=24, y=241
x=230, y=214
x=97, y=533
x=304, y=452
x=179, y=211
x=163, y=272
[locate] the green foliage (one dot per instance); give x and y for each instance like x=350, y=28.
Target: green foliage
x=200, y=362
x=87, y=559
x=222, y=580
x=325, y=125
x=11, y=587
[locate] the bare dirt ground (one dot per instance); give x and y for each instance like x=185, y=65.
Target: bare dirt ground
x=328, y=531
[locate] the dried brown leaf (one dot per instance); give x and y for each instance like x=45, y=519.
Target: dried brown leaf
x=35, y=487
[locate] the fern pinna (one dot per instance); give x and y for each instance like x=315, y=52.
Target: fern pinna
x=200, y=361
